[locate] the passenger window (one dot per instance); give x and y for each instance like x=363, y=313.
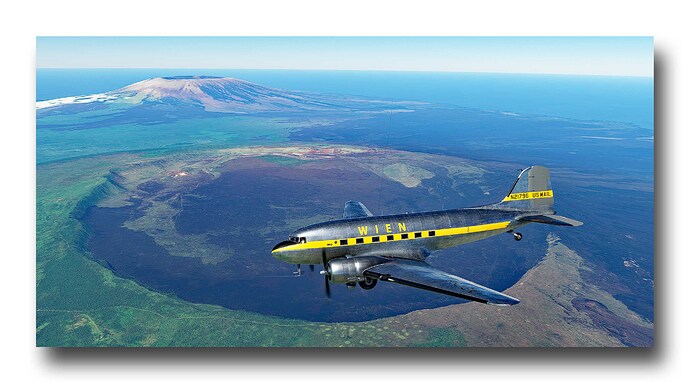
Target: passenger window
x=359, y=240
x=418, y=235
x=374, y=239
x=343, y=242
x=403, y=236
x=390, y=238
x=432, y=233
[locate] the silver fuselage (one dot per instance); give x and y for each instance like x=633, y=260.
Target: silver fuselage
x=411, y=236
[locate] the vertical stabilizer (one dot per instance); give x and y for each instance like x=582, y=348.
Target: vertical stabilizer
x=531, y=191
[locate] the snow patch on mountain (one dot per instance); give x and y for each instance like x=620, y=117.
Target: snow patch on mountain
x=100, y=97
x=226, y=95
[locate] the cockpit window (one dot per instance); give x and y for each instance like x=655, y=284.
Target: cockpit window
x=297, y=239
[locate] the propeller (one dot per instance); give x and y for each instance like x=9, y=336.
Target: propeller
x=325, y=274
x=311, y=267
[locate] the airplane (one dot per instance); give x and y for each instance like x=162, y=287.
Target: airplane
x=362, y=248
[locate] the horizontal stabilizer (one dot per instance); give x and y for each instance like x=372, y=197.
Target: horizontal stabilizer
x=550, y=220
x=422, y=276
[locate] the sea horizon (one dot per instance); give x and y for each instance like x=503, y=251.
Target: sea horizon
x=625, y=99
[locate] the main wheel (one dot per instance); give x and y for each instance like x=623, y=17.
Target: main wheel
x=367, y=283
x=517, y=236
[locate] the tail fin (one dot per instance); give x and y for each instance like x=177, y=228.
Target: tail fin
x=531, y=191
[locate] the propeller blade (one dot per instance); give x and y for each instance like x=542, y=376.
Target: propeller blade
x=325, y=274
x=328, y=286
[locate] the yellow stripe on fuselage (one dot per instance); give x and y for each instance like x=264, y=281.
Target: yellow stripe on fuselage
x=529, y=195
x=396, y=237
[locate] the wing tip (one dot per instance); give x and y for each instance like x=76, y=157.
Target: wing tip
x=506, y=300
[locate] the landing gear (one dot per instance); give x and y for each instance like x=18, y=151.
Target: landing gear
x=299, y=273
x=517, y=236
x=367, y=283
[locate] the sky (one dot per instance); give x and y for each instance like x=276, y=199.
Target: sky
x=609, y=56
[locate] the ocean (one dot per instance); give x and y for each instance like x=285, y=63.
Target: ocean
x=603, y=98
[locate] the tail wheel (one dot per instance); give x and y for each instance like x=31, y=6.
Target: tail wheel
x=367, y=283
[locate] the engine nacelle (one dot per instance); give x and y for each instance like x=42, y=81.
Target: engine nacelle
x=344, y=270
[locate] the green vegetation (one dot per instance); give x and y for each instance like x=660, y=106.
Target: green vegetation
x=81, y=303
x=216, y=132
x=283, y=160
x=444, y=337
x=408, y=175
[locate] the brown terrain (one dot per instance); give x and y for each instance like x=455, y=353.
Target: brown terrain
x=557, y=308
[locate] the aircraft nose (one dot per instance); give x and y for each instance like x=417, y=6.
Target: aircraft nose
x=276, y=252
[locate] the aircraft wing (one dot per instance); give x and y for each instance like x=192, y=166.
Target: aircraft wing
x=421, y=275
x=355, y=209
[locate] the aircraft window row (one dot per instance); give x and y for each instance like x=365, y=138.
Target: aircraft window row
x=343, y=242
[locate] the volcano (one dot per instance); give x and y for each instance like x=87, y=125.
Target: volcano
x=217, y=94
x=222, y=94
